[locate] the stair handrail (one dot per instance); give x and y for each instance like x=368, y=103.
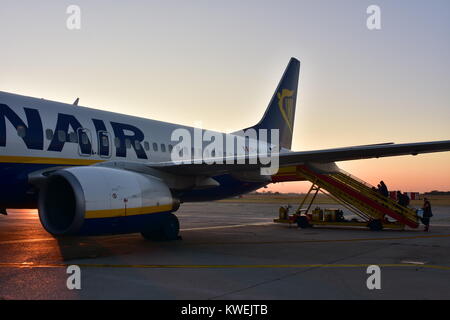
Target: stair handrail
x=406, y=211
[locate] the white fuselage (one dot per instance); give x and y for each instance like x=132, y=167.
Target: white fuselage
x=37, y=134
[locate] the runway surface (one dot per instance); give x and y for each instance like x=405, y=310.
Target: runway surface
x=228, y=251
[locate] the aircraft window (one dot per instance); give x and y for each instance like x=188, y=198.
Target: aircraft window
x=170, y=148
x=155, y=146
x=163, y=147
x=146, y=145
x=61, y=136
x=73, y=137
x=21, y=131
x=84, y=138
x=128, y=143
x=49, y=134
x=117, y=142
x=105, y=141
x=137, y=145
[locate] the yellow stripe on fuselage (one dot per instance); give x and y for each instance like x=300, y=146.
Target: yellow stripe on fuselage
x=93, y=214
x=45, y=160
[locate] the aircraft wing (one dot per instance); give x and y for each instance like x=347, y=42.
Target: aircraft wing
x=298, y=158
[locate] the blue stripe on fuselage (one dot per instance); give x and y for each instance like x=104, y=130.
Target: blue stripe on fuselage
x=16, y=192
x=122, y=225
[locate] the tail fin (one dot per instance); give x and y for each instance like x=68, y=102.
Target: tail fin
x=280, y=113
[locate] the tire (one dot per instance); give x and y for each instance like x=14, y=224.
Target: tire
x=375, y=225
x=171, y=228
x=303, y=222
x=167, y=231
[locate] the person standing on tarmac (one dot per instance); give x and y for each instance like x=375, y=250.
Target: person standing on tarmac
x=427, y=214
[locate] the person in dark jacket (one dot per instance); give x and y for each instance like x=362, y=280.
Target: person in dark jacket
x=400, y=199
x=427, y=214
x=383, y=189
x=406, y=199
x=379, y=189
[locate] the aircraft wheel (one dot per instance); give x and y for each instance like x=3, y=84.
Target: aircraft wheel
x=375, y=225
x=168, y=231
x=171, y=228
x=303, y=222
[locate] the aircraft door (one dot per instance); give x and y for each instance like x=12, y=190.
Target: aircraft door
x=104, y=144
x=84, y=142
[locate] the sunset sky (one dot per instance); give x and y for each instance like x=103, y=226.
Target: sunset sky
x=218, y=63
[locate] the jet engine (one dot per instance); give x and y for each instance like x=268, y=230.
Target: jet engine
x=100, y=200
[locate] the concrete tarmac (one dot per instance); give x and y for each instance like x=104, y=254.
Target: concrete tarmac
x=228, y=251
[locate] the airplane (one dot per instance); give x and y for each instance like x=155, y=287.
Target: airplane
x=93, y=172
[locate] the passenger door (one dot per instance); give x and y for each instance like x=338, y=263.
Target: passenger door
x=84, y=142
x=104, y=144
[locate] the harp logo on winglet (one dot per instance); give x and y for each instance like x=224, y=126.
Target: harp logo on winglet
x=286, y=105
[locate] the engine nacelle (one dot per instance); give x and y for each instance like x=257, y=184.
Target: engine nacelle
x=100, y=200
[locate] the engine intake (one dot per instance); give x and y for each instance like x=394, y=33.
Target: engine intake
x=100, y=200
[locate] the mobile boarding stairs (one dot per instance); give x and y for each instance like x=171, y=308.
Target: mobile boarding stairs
x=375, y=210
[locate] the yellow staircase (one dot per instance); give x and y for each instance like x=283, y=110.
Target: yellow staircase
x=407, y=214
x=354, y=194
